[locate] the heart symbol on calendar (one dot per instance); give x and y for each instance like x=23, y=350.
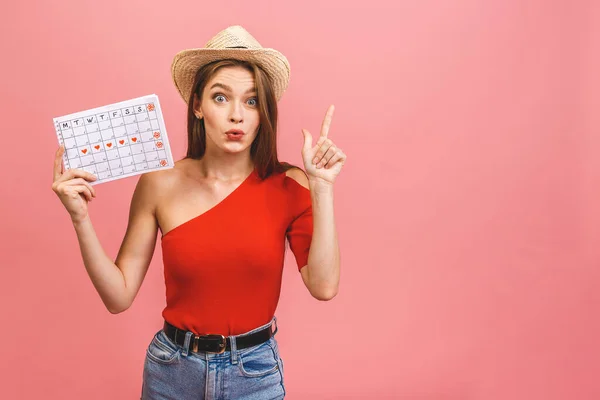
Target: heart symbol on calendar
x=156, y=135
x=121, y=141
x=97, y=147
x=84, y=151
x=109, y=144
x=159, y=144
x=134, y=139
x=163, y=162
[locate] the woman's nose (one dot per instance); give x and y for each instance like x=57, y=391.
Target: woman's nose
x=236, y=115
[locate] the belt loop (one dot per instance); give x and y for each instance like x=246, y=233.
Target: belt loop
x=186, y=343
x=276, y=327
x=233, y=349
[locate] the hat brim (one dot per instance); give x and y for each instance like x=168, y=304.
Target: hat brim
x=187, y=62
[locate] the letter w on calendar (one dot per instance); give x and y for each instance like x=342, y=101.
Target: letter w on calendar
x=116, y=141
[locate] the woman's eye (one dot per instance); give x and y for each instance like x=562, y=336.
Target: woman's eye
x=219, y=96
x=253, y=101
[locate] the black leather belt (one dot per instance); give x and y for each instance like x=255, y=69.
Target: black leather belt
x=217, y=343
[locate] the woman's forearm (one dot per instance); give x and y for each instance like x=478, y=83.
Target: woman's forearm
x=324, y=255
x=104, y=273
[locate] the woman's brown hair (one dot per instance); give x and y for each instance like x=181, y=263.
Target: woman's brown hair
x=263, y=150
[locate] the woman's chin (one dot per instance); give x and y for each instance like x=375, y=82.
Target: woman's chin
x=233, y=148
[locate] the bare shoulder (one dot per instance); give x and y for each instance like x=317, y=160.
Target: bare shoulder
x=298, y=175
x=156, y=184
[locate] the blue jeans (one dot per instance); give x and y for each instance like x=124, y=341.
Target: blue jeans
x=172, y=372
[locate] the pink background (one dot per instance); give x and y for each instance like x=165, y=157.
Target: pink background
x=468, y=212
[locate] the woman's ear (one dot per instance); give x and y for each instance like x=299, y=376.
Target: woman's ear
x=197, y=110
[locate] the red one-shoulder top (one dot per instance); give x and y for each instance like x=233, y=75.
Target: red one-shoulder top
x=223, y=268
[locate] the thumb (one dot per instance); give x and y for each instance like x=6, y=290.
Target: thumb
x=307, y=139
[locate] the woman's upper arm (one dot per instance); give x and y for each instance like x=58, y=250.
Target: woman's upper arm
x=139, y=242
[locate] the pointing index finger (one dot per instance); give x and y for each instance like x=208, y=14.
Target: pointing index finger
x=327, y=121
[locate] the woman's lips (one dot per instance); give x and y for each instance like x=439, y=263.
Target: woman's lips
x=234, y=135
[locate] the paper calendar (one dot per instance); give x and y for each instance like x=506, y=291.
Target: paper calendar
x=116, y=141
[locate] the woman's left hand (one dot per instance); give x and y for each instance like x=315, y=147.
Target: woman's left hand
x=323, y=161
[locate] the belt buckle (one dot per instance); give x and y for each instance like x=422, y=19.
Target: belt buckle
x=222, y=343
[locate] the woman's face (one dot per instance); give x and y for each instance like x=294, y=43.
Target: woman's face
x=229, y=101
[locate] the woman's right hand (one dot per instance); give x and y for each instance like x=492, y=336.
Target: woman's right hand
x=72, y=188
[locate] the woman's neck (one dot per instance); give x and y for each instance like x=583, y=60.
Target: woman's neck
x=229, y=167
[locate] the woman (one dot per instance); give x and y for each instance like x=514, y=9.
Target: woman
x=224, y=212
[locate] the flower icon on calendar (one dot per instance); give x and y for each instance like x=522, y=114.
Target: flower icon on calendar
x=159, y=145
x=163, y=162
x=151, y=107
x=156, y=135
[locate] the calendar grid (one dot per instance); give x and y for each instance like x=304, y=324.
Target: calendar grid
x=61, y=140
x=102, y=141
x=142, y=110
x=123, y=112
x=116, y=141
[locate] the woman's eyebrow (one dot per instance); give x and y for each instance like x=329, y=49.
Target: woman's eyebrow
x=225, y=87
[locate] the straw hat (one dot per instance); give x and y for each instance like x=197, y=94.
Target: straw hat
x=233, y=42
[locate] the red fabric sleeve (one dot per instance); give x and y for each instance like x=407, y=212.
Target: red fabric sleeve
x=300, y=230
